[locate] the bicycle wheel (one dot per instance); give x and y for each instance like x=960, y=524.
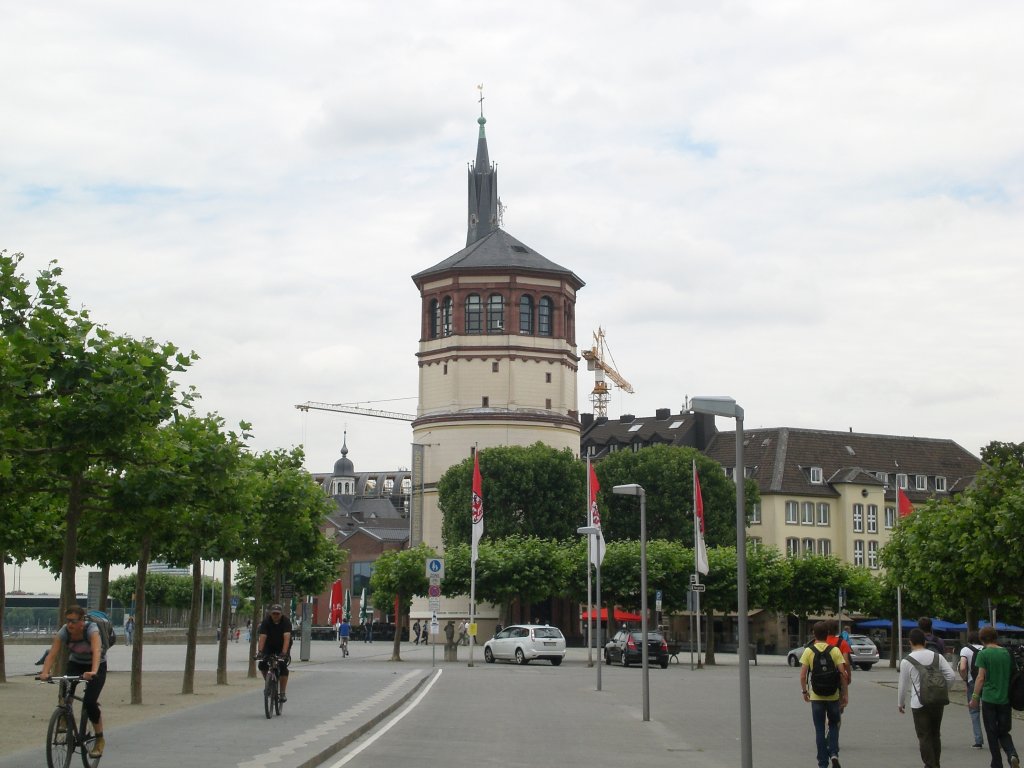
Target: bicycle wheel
x=60, y=739
x=269, y=694
x=278, y=704
x=86, y=740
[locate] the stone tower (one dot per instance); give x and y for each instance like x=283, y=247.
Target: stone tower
x=497, y=350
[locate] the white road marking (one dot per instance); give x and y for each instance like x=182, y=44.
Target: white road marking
x=394, y=721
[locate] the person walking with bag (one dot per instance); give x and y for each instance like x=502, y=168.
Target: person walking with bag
x=992, y=694
x=968, y=672
x=925, y=677
x=823, y=684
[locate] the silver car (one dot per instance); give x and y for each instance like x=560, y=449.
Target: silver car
x=863, y=653
x=523, y=643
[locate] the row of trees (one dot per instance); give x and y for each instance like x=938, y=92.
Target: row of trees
x=103, y=461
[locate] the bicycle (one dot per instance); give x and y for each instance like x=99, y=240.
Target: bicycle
x=272, y=703
x=62, y=738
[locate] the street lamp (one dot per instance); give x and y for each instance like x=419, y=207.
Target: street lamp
x=729, y=408
x=590, y=531
x=634, y=489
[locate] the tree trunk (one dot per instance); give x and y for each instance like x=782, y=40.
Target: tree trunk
x=188, y=679
x=709, y=638
x=3, y=591
x=140, y=619
x=396, y=649
x=69, y=559
x=225, y=625
x=257, y=617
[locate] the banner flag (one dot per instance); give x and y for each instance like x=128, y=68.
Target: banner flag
x=477, y=506
x=596, y=542
x=698, y=524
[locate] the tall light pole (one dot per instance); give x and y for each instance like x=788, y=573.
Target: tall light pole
x=589, y=531
x=729, y=408
x=633, y=489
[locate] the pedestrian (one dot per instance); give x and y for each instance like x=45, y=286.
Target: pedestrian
x=344, y=630
x=464, y=633
x=238, y=634
x=425, y=636
x=416, y=632
x=129, y=630
x=823, y=684
x=992, y=694
x=834, y=638
x=931, y=641
x=968, y=671
x=918, y=674
x=248, y=630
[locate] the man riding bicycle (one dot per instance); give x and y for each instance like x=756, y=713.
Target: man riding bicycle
x=87, y=660
x=344, y=631
x=275, y=637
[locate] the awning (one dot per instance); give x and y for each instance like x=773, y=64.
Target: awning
x=619, y=614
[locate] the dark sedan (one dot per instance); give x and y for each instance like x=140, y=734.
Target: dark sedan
x=627, y=645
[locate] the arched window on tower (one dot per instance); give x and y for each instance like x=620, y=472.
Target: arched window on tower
x=435, y=318
x=545, y=308
x=526, y=316
x=474, y=314
x=446, y=316
x=495, y=313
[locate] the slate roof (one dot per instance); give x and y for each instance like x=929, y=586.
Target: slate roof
x=780, y=460
x=664, y=428
x=497, y=250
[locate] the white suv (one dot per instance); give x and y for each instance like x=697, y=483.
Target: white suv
x=525, y=642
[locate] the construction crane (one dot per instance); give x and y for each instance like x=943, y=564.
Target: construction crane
x=351, y=408
x=597, y=357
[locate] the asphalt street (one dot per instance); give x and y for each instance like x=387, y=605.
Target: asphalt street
x=366, y=710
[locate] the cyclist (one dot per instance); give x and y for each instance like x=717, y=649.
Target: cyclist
x=275, y=636
x=86, y=659
x=344, y=631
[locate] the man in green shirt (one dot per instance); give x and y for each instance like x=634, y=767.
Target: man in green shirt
x=992, y=693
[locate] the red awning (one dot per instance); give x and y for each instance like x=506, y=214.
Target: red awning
x=620, y=615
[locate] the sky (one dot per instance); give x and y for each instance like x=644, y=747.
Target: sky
x=813, y=207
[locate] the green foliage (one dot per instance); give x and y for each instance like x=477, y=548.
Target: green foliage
x=402, y=574
x=666, y=474
x=527, y=491
x=163, y=590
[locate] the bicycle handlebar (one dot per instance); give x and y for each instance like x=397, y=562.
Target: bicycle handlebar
x=70, y=678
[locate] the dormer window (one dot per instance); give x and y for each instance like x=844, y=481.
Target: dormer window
x=921, y=482
x=940, y=483
x=816, y=476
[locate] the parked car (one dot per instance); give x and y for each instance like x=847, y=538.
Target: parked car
x=626, y=647
x=523, y=643
x=863, y=653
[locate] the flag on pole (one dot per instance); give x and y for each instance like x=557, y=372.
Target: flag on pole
x=477, y=506
x=698, y=524
x=596, y=542
x=903, y=503
x=336, y=607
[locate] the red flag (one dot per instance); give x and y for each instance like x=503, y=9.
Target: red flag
x=698, y=512
x=903, y=503
x=596, y=542
x=477, y=506
x=336, y=606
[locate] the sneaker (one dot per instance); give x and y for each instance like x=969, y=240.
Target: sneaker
x=1014, y=761
x=97, y=747
x=977, y=746
x=283, y=698
x=835, y=761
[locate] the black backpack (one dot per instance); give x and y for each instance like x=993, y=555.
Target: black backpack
x=824, y=672
x=973, y=674
x=1016, y=691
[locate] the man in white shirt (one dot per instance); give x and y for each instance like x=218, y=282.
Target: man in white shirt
x=927, y=716
x=967, y=654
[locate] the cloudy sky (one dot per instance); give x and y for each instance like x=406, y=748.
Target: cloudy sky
x=814, y=207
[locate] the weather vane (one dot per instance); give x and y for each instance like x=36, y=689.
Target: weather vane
x=480, y=88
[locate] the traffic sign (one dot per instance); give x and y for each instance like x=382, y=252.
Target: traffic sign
x=433, y=591
x=698, y=587
x=435, y=567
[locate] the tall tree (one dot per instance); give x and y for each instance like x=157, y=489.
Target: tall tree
x=399, y=576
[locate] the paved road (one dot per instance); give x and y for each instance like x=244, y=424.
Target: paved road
x=493, y=714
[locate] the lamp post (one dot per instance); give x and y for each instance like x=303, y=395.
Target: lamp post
x=634, y=489
x=729, y=408
x=590, y=531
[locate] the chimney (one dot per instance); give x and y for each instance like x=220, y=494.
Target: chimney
x=662, y=414
x=586, y=419
x=626, y=418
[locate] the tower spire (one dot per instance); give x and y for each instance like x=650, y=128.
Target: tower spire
x=483, y=186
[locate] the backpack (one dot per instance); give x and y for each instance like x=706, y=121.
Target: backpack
x=824, y=672
x=107, y=635
x=933, y=688
x=973, y=674
x=1016, y=689
x=932, y=644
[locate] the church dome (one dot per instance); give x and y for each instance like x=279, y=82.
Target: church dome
x=344, y=467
